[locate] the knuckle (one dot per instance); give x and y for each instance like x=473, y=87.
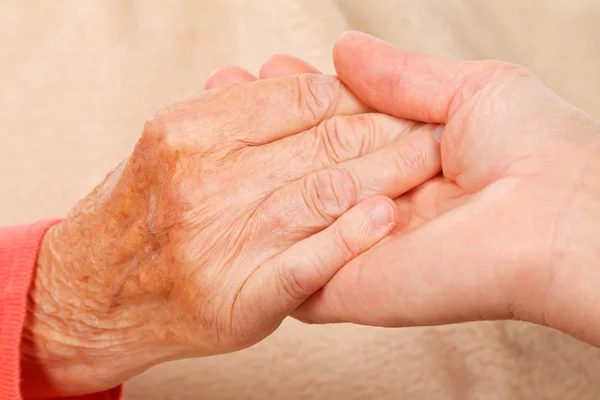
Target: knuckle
x=179, y=129
x=410, y=159
x=155, y=128
x=316, y=95
x=329, y=193
x=292, y=284
x=341, y=138
x=347, y=245
x=164, y=130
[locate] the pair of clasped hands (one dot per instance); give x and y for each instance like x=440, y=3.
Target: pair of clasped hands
x=407, y=190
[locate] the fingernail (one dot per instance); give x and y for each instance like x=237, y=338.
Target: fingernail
x=438, y=132
x=382, y=214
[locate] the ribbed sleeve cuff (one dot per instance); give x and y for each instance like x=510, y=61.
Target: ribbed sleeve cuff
x=19, y=246
x=18, y=254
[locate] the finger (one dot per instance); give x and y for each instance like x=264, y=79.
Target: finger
x=430, y=276
x=315, y=201
x=335, y=140
x=409, y=281
x=294, y=275
x=228, y=76
x=270, y=109
x=283, y=65
x=409, y=84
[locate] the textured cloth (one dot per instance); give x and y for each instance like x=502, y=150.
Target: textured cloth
x=80, y=77
x=18, y=253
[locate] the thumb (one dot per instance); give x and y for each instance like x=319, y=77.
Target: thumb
x=473, y=99
x=285, y=282
x=427, y=277
x=409, y=84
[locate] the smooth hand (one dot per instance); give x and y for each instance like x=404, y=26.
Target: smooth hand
x=511, y=229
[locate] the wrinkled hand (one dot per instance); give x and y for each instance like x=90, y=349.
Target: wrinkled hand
x=234, y=208
x=510, y=231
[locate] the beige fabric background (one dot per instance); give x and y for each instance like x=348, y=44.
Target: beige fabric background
x=78, y=79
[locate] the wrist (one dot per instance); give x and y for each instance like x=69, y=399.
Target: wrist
x=572, y=300
x=76, y=338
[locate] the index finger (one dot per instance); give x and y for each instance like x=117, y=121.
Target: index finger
x=270, y=109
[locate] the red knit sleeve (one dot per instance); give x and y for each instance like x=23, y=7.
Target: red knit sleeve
x=18, y=254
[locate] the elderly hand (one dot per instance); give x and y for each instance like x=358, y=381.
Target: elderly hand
x=234, y=208
x=510, y=231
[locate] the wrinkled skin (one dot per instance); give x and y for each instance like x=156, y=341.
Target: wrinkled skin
x=233, y=209
x=511, y=229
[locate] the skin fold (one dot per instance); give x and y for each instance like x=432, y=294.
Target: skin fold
x=510, y=231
